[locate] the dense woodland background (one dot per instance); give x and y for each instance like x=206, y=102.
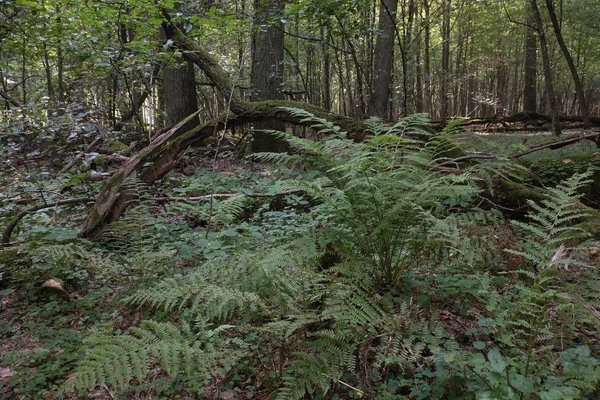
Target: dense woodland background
x=445, y=58
x=300, y=199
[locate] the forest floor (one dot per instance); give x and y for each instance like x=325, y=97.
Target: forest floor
x=43, y=332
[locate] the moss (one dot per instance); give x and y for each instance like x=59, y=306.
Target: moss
x=516, y=194
x=117, y=146
x=551, y=172
x=99, y=160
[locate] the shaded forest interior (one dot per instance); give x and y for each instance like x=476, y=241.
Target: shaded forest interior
x=293, y=199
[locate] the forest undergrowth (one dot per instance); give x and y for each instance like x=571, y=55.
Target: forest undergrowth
x=338, y=270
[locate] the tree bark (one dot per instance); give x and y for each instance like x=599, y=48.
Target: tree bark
x=445, y=60
x=267, y=69
x=427, y=103
x=379, y=103
x=179, y=86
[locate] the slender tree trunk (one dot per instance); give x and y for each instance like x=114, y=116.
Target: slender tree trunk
x=60, y=61
x=326, y=82
x=530, y=76
x=418, y=67
x=572, y=68
x=60, y=89
x=445, y=59
x=48, y=71
x=428, y=107
x=379, y=104
x=267, y=68
x=547, y=68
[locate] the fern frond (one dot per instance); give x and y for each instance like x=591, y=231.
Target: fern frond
x=117, y=360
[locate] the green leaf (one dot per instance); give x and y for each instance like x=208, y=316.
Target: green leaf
x=479, y=345
x=497, y=362
x=521, y=383
x=487, y=322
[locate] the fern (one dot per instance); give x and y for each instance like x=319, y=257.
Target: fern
x=551, y=222
x=118, y=360
x=379, y=209
x=541, y=296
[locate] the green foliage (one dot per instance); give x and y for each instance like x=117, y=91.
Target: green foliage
x=379, y=277
x=375, y=205
x=117, y=360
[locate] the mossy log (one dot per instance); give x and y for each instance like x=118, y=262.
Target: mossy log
x=515, y=195
x=164, y=152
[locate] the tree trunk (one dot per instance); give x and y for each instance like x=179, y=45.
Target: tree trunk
x=445, y=60
x=572, y=68
x=179, y=92
x=547, y=68
x=23, y=71
x=326, y=82
x=48, y=71
x=179, y=86
x=379, y=103
x=418, y=67
x=267, y=69
x=530, y=76
x=427, y=106
x=60, y=61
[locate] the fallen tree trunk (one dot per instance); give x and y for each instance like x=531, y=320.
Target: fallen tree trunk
x=164, y=152
x=527, y=119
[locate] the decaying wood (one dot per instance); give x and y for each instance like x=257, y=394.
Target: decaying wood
x=162, y=154
x=526, y=119
x=553, y=146
x=561, y=143
x=161, y=199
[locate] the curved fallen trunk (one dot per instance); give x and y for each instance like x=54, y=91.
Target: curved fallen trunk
x=164, y=152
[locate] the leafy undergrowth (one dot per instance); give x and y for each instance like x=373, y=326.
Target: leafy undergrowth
x=340, y=271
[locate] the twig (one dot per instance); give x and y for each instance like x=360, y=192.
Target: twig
x=360, y=392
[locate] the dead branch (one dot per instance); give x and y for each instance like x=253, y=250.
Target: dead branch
x=559, y=144
x=223, y=196
x=9, y=99
x=163, y=199
x=13, y=223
